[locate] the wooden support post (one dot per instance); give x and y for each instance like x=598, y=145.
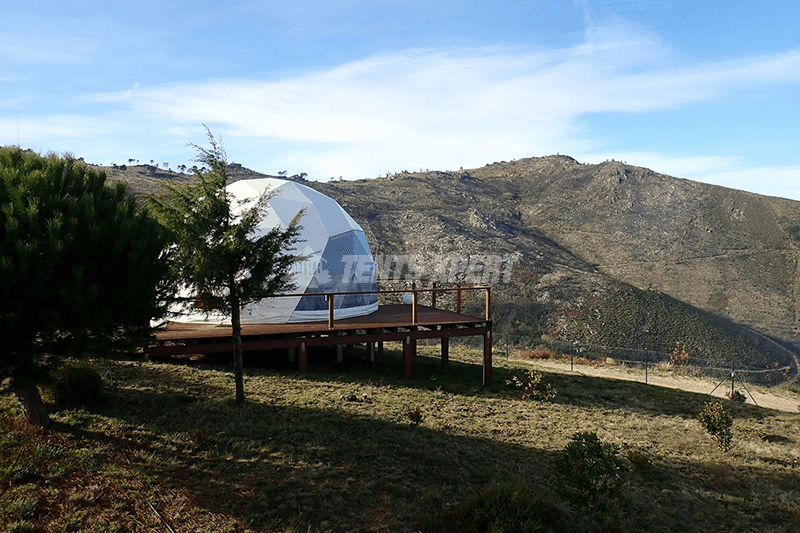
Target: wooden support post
x=302, y=361
x=371, y=349
x=414, y=307
x=339, y=354
x=380, y=349
x=445, y=351
x=487, y=359
x=292, y=354
x=409, y=347
x=330, y=310
x=488, y=303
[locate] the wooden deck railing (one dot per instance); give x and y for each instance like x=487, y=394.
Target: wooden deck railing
x=457, y=288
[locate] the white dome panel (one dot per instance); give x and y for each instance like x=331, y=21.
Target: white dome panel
x=338, y=257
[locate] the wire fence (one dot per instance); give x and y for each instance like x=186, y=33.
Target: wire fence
x=647, y=361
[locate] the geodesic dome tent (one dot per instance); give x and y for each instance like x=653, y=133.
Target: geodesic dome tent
x=337, y=252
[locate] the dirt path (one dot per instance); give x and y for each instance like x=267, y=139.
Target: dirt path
x=780, y=400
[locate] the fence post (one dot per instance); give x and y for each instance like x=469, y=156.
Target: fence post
x=645, y=366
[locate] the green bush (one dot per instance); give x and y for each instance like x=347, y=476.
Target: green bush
x=716, y=419
x=78, y=386
x=590, y=478
x=509, y=507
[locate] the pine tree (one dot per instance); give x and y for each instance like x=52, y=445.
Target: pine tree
x=218, y=254
x=80, y=266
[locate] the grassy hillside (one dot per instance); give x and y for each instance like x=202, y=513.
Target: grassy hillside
x=171, y=448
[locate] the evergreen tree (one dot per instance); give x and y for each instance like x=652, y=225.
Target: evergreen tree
x=218, y=254
x=79, y=265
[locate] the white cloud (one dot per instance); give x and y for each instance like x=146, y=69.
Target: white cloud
x=52, y=127
x=782, y=181
x=438, y=108
x=433, y=96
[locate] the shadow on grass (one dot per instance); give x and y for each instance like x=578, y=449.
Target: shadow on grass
x=283, y=467
x=464, y=377
x=458, y=377
x=280, y=466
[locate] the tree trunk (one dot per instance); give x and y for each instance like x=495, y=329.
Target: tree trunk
x=30, y=400
x=238, y=366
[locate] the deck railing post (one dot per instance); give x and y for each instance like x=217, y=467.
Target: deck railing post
x=458, y=298
x=330, y=298
x=433, y=296
x=414, y=307
x=488, y=303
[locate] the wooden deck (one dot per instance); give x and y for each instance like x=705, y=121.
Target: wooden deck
x=405, y=323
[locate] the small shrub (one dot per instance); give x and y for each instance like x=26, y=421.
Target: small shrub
x=639, y=460
x=531, y=386
x=679, y=355
x=736, y=396
x=721, y=476
x=78, y=386
x=716, y=419
x=538, y=353
x=509, y=507
x=590, y=478
x=415, y=415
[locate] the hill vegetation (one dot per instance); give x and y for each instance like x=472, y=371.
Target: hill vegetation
x=603, y=255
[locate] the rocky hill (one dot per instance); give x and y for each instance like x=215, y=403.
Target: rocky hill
x=607, y=254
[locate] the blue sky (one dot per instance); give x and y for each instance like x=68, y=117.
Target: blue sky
x=703, y=90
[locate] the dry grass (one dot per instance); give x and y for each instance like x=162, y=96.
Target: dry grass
x=299, y=458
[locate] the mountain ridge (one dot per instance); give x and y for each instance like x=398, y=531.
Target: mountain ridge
x=583, y=233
